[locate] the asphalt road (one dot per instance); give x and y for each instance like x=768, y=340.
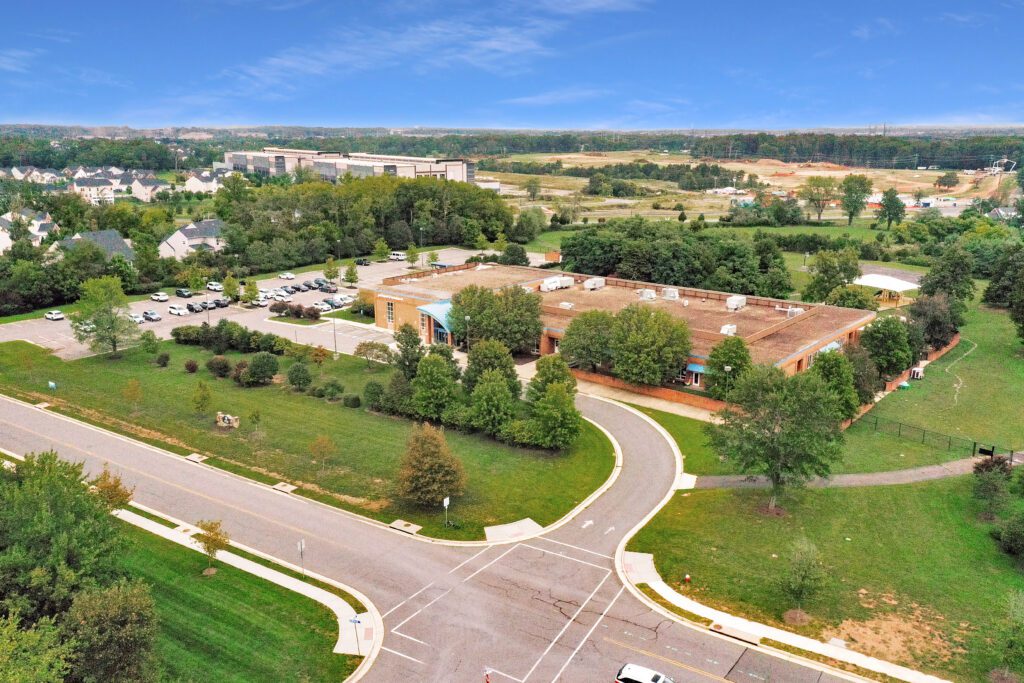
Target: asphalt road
x=551, y=608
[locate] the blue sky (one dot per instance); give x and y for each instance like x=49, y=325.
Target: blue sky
x=598, y=64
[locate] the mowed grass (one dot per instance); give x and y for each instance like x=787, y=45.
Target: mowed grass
x=346, y=314
x=548, y=241
x=919, y=547
x=232, y=626
x=859, y=230
x=698, y=458
x=504, y=484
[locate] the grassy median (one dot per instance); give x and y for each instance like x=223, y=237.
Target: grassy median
x=505, y=484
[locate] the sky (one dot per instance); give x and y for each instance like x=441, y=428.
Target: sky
x=543, y=64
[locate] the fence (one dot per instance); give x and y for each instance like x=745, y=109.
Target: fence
x=948, y=442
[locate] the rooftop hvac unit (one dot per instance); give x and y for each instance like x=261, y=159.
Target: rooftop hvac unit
x=792, y=312
x=550, y=284
x=647, y=294
x=565, y=282
x=567, y=305
x=735, y=302
x=593, y=283
x=728, y=330
x=670, y=294
x=686, y=302
x=527, y=288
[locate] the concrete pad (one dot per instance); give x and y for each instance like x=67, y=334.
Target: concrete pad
x=195, y=457
x=43, y=404
x=356, y=638
x=686, y=482
x=639, y=567
x=512, y=531
x=407, y=527
x=284, y=487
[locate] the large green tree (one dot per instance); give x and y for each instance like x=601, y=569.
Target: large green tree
x=728, y=359
x=549, y=370
x=511, y=316
x=938, y=320
x=831, y=269
x=490, y=354
x=866, y=380
x=492, y=405
x=836, y=370
x=951, y=274
x=852, y=296
x=33, y=653
x=410, y=350
x=587, y=340
x=854, y=192
x=554, y=421
x=818, y=192
x=429, y=471
x=891, y=209
x=102, y=316
x=888, y=342
x=434, y=388
x=784, y=428
x=648, y=345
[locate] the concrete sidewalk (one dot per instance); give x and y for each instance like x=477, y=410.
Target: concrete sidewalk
x=954, y=468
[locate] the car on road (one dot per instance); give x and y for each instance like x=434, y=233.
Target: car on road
x=221, y=302
x=323, y=307
x=152, y=316
x=178, y=309
x=214, y=286
x=195, y=307
x=287, y=276
x=634, y=673
x=53, y=315
x=137, y=318
x=397, y=256
x=159, y=296
x=183, y=292
x=329, y=288
x=362, y=261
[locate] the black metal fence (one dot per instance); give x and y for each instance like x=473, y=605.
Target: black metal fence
x=966, y=447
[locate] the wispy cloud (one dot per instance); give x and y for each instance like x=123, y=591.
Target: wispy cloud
x=972, y=19
x=563, y=96
x=55, y=35
x=876, y=28
x=589, y=6
x=14, y=60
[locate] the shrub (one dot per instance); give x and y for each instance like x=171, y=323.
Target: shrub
x=998, y=463
x=189, y=335
x=163, y=359
x=191, y=365
x=351, y=401
x=295, y=310
x=219, y=366
x=240, y=368
x=299, y=376
x=1011, y=534
x=278, y=307
x=373, y=394
x=459, y=416
x=262, y=368
x=332, y=389
x=311, y=313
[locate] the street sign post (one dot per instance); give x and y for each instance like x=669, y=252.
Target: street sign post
x=355, y=628
x=447, y=501
x=302, y=555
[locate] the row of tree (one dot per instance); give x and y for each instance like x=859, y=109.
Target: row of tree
x=692, y=177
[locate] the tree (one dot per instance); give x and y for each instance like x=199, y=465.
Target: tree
x=938, y=320
x=432, y=258
x=434, y=388
x=55, y=537
x=952, y=275
x=728, y=359
x=262, y=368
x=831, y=269
x=102, y=316
x=132, y=393
x=250, y=293
x=892, y=209
x=381, y=250
x=947, y=180
x=517, y=319
x=805, y=575
x=111, y=490
x=531, y=222
x=514, y=255
x=550, y=369
x=201, y=398
x=490, y=354
x=1017, y=307
x=991, y=488
x=299, y=376
x=148, y=342
x=33, y=654
x=492, y=405
x=851, y=296
x=866, y=379
x=648, y=346
x=855, y=190
x=412, y=254
x=836, y=370
x=114, y=630
x=887, y=341
x=818, y=192
x=213, y=538
x=429, y=472
x=322, y=449
x=231, y=287
x=351, y=277
x=331, y=269
x=319, y=355
x=410, y=350
x=532, y=187
x=554, y=420
x=587, y=340
x=374, y=352
x=785, y=428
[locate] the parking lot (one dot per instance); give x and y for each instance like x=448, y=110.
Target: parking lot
x=331, y=333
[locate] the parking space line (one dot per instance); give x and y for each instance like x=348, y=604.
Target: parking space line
x=549, y=552
x=589, y=633
x=396, y=652
x=408, y=598
x=576, y=547
x=467, y=561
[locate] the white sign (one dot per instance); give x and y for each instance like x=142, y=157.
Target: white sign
x=447, y=500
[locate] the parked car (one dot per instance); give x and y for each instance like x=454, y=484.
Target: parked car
x=291, y=290
x=53, y=315
x=221, y=302
x=152, y=316
x=634, y=673
x=263, y=291
x=362, y=261
x=319, y=281
x=159, y=296
x=195, y=307
x=261, y=302
x=323, y=307
x=183, y=292
x=329, y=288
x=309, y=284
x=283, y=297
x=214, y=286
x=397, y=256
x=287, y=276
x=178, y=309
x=136, y=318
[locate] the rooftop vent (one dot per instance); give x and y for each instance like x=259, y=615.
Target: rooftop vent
x=728, y=330
x=670, y=294
x=647, y=294
x=735, y=302
x=567, y=305
x=593, y=283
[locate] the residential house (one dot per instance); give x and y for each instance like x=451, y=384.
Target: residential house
x=94, y=190
x=109, y=241
x=193, y=237
x=145, y=189
x=38, y=223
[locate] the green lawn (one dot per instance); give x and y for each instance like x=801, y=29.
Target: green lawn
x=232, y=626
x=859, y=230
x=295, y=321
x=346, y=314
x=919, y=552
x=688, y=433
x=548, y=241
x=504, y=483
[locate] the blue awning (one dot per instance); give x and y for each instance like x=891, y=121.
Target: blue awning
x=696, y=367
x=439, y=312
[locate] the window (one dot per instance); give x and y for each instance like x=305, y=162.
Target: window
x=695, y=379
x=391, y=312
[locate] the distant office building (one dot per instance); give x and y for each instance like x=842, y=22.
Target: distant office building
x=330, y=166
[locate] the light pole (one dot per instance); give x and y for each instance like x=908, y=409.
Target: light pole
x=334, y=323
x=467, y=334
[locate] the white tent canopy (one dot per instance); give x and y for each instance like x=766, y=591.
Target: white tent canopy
x=886, y=282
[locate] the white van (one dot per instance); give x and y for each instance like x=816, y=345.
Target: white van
x=397, y=256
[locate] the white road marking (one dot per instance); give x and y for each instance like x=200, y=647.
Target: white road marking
x=587, y=636
x=609, y=530
x=467, y=561
x=588, y=523
x=589, y=564
x=569, y=545
x=396, y=652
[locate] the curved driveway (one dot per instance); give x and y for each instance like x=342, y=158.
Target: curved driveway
x=545, y=609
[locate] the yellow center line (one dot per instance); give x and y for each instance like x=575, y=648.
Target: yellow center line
x=667, y=660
